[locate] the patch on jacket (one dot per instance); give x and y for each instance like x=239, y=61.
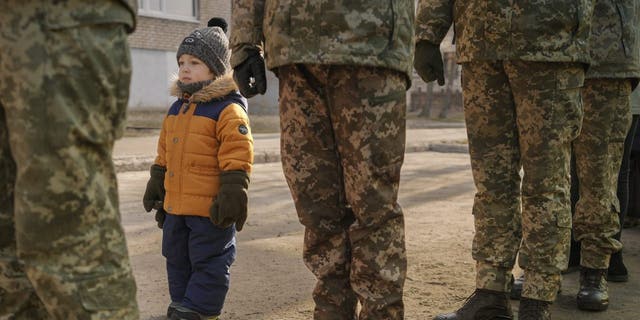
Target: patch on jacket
x=243, y=129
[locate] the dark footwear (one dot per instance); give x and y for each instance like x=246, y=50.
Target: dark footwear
x=617, y=271
x=482, y=305
x=182, y=313
x=593, y=294
x=171, y=309
x=516, y=288
x=531, y=309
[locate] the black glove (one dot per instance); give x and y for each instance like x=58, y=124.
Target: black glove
x=250, y=75
x=155, y=188
x=160, y=216
x=230, y=205
x=428, y=62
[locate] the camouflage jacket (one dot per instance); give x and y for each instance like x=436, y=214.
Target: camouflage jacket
x=358, y=32
x=615, y=39
x=533, y=30
x=70, y=13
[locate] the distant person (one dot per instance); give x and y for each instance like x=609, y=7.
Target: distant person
x=200, y=177
x=344, y=67
x=614, y=72
x=632, y=219
x=617, y=271
x=600, y=148
x=64, y=85
x=523, y=65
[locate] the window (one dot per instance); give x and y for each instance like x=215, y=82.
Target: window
x=170, y=9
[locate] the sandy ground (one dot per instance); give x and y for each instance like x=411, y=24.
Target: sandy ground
x=269, y=280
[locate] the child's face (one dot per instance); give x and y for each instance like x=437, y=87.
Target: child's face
x=192, y=69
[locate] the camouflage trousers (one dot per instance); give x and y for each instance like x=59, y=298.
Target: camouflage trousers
x=63, y=96
x=598, y=153
x=521, y=116
x=342, y=145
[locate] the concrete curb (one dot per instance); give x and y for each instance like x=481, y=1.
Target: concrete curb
x=142, y=163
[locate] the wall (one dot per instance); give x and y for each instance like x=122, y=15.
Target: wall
x=153, y=52
x=156, y=41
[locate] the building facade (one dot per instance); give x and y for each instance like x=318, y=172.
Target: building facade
x=162, y=24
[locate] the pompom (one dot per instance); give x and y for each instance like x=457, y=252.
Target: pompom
x=218, y=22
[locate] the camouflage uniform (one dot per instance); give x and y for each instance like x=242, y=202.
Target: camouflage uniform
x=64, y=83
x=522, y=69
x=343, y=68
x=598, y=150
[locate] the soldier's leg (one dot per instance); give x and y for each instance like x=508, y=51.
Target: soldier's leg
x=17, y=297
x=617, y=271
x=66, y=91
x=623, y=189
x=495, y=162
x=598, y=150
x=549, y=115
x=312, y=170
x=367, y=107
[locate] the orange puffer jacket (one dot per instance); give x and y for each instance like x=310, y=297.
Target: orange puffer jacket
x=203, y=135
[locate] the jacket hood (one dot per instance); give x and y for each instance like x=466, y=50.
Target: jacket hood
x=219, y=88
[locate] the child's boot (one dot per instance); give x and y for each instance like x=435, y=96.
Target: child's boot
x=182, y=313
x=172, y=308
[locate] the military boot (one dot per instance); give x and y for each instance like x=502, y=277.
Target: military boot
x=482, y=305
x=172, y=308
x=593, y=294
x=531, y=309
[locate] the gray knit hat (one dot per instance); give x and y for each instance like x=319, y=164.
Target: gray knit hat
x=209, y=44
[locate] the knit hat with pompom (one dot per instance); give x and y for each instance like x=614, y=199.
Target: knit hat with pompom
x=209, y=44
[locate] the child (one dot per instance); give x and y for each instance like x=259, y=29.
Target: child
x=205, y=153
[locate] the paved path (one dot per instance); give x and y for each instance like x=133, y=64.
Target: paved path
x=270, y=282
x=137, y=153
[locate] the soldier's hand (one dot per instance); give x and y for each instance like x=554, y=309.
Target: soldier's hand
x=230, y=205
x=155, y=188
x=250, y=75
x=428, y=62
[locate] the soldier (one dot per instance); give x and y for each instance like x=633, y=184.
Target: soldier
x=522, y=69
x=598, y=150
x=344, y=67
x=64, y=85
x=615, y=69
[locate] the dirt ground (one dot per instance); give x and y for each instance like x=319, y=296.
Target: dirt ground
x=269, y=280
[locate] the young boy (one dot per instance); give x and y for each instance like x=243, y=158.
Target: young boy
x=205, y=153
